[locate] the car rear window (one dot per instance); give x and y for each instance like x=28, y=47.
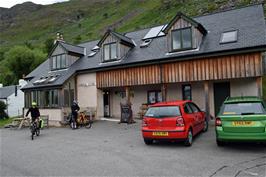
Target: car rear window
x=163, y=111
x=243, y=109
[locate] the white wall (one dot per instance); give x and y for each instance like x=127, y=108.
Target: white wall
x=15, y=104
x=244, y=87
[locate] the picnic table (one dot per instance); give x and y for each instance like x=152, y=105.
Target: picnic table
x=24, y=121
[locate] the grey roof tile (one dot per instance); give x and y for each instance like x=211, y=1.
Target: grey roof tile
x=5, y=92
x=249, y=21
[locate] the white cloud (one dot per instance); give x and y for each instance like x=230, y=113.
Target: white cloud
x=10, y=3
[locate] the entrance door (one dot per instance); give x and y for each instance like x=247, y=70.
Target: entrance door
x=106, y=103
x=221, y=92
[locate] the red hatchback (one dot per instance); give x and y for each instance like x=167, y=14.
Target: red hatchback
x=177, y=120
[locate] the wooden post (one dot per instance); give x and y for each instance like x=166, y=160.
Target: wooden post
x=164, y=92
x=259, y=86
x=207, y=98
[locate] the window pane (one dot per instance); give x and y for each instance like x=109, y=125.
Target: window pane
x=159, y=97
x=58, y=62
x=66, y=98
x=243, y=108
x=46, y=98
x=161, y=112
x=186, y=92
x=152, y=97
x=63, y=61
x=54, y=63
x=229, y=36
x=176, y=40
x=187, y=109
x=106, y=52
x=194, y=107
x=113, y=51
x=186, y=37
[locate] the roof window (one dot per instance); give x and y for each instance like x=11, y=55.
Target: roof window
x=228, y=37
x=145, y=43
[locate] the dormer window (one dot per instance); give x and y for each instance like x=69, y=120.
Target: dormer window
x=182, y=39
x=59, y=62
x=110, y=51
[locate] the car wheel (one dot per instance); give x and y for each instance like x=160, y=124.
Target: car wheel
x=206, y=125
x=189, y=139
x=219, y=143
x=148, y=141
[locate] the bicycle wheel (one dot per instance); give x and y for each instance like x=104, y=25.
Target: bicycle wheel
x=38, y=132
x=88, y=125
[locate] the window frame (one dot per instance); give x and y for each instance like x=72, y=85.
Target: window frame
x=60, y=57
x=110, y=52
x=156, y=96
x=181, y=39
x=183, y=92
x=226, y=42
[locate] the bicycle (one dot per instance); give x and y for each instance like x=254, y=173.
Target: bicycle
x=34, y=129
x=70, y=120
x=84, y=120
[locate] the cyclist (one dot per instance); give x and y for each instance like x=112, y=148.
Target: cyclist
x=74, y=109
x=35, y=113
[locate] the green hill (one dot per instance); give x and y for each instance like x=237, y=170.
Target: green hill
x=82, y=20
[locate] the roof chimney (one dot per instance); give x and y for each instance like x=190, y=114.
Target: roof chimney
x=59, y=37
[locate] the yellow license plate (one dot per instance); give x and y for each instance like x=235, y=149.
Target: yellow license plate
x=160, y=133
x=242, y=123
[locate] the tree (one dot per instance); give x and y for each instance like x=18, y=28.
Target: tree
x=3, y=107
x=21, y=60
x=48, y=45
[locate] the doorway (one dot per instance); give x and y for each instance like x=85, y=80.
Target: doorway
x=106, y=103
x=221, y=92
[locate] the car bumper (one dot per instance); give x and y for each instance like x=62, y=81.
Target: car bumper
x=228, y=136
x=172, y=135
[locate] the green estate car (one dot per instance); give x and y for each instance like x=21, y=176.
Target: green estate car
x=241, y=119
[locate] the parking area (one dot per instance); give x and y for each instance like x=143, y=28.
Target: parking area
x=111, y=149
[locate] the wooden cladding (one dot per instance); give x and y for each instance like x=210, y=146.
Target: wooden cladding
x=129, y=76
x=215, y=68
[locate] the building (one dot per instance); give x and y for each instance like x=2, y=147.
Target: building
x=205, y=59
x=14, y=98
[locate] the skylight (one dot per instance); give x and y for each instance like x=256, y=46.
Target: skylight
x=229, y=36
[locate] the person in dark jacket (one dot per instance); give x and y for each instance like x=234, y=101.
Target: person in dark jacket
x=74, y=109
x=35, y=113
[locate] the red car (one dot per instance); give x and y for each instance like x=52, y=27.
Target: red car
x=177, y=120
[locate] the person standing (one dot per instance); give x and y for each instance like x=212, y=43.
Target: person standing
x=74, y=109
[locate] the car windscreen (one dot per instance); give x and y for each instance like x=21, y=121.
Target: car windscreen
x=163, y=111
x=243, y=109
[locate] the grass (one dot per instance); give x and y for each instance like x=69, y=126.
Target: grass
x=5, y=121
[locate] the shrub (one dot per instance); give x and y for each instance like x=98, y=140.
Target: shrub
x=3, y=107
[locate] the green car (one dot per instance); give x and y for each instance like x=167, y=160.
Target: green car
x=241, y=119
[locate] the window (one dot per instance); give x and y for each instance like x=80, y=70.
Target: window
x=182, y=39
x=59, y=62
x=164, y=111
x=154, y=97
x=186, y=92
x=227, y=37
x=44, y=98
x=243, y=109
x=194, y=107
x=187, y=109
x=110, y=51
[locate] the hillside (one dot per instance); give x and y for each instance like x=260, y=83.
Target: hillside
x=82, y=20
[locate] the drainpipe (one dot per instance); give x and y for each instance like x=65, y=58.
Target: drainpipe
x=163, y=85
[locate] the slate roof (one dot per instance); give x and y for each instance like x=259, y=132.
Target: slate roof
x=72, y=48
x=124, y=39
x=249, y=21
x=5, y=92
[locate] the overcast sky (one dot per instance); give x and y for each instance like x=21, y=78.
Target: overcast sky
x=10, y=3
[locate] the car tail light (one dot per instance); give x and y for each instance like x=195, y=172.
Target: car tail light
x=218, y=122
x=180, y=122
x=144, y=123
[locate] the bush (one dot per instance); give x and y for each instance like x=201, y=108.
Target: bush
x=3, y=107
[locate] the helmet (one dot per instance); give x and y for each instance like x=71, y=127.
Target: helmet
x=34, y=103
